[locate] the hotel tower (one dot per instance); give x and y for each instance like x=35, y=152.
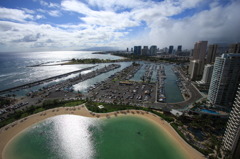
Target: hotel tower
x=197, y=61
x=225, y=79
x=231, y=138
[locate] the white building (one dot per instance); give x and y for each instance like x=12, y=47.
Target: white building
x=207, y=74
x=225, y=79
x=231, y=138
x=194, y=69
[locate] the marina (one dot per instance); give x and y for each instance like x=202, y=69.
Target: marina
x=32, y=84
x=62, y=90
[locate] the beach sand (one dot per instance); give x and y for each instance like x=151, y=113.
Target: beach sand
x=9, y=131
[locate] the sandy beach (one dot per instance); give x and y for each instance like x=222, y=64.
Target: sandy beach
x=9, y=131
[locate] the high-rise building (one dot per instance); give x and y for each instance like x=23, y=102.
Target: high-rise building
x=170, y=50
x=225, y=79
x=145, y=50
x=207, y=74
x=131, y=49
x=234, y=48
x=137, y=50
x=179, y=48
x=127, y=49
x=153, y=50
x=193, y=69
x=211, y=53
x=199, y=53
x=231, y=138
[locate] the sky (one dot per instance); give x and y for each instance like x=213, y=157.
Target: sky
x=38, y=25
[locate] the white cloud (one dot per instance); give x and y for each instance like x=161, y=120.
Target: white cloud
x=100, y=18
x=14, y=14
x=118, y=4
x=54, y=5
x=54, y=13
x=44, y=36
x=29, y=11
x=39, y=16
x=114, y=22
x=216, y=25
x=75, y=6
x=43, y=3
x=49, y=4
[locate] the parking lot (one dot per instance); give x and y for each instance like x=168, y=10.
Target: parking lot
x=117, y=90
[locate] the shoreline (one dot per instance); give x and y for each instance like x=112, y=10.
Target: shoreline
x=8, y=132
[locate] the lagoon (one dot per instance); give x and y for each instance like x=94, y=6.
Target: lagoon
x=71, y=136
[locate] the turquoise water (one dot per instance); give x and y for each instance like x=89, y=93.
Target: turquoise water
x=76, y=137
x=208, y=111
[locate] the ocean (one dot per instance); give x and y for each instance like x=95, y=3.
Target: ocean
x=14, y=68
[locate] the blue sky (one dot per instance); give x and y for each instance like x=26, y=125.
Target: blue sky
x=34, y=25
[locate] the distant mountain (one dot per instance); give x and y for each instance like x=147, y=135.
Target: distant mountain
x=100, y=49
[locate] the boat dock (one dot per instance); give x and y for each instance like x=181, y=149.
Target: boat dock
x=28, y=85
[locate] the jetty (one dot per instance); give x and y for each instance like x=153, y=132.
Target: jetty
x=28, y=85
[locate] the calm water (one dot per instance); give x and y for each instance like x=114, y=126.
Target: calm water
x=172, y=91
x=75, y=137
x=14, y=70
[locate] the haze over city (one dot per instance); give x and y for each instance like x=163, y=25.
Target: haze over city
x=36, y=25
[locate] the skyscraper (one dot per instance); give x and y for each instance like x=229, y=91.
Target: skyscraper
x=153, y=50
x=225, y=79
x=193, y=69
x=199, y=53
x=231, y=138
x=137, y=50
x=170, y=50
x=207, y=74
x=179, y=48
x=145, y=50
x=234, y=48
x=211, y=53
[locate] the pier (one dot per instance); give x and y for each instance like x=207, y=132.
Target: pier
x=28, y=85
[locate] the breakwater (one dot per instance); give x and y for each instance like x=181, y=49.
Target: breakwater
x=28, y=85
